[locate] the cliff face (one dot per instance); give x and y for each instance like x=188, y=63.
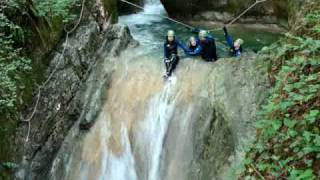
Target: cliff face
x=68, y=96
x=211, y=143
x=271, y=11
x=236, y=89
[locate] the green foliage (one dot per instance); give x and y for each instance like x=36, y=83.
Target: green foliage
x=6, y=169
x=288, y=141
x=12, y=64
x=313, y=17
x=21, y=20
x=58, y=8
x=9, y=165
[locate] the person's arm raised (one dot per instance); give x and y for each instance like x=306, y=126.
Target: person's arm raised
x=228, y=37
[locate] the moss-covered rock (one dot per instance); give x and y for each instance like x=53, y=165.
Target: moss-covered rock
x=62, y=103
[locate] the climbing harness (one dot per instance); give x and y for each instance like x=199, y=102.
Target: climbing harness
x=191, y=27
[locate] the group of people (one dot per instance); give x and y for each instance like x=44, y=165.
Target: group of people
x=203, y=45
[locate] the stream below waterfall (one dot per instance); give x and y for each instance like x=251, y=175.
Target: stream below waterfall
x=144, y=130
x=150, y=30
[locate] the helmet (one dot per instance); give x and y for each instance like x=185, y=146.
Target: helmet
x=203, y=34
x=171, y=33
x=239, y=41
x=192, y=38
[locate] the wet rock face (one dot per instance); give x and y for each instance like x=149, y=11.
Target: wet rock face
x=224, y=10
x=72, y=92
x=207, y=138
x=234, y=92
x=213, y=144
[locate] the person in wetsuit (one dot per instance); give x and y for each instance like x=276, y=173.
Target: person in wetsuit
x=207, y=45
x=235, y=46
x=193, y=48
x=171, y=58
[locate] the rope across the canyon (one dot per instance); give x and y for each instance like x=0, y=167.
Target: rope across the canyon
x=191, y=27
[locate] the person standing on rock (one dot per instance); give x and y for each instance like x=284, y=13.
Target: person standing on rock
x=235, y=46
x=171, y=58
x=208, y=45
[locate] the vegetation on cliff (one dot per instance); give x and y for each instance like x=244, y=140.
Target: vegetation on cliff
x=24, y=26
x=288, y=132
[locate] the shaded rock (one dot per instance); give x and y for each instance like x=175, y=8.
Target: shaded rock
x=236, y=89
x=73, y=94
x=213, y=10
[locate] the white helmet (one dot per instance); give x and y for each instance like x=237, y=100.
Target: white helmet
x=239, y=41
x=203, y=34
x=171, y=33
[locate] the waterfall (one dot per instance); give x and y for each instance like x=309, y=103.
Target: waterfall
x=131, y=133
x=153, y=7
x=153, y=129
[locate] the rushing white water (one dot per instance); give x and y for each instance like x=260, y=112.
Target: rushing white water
x=119, y=167
x=146, y=18
x=153, y=7
x=152, y=130
x=138, y=133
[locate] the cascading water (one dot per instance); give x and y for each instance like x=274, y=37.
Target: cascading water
x=153, y=7
x=145, y=128
x=127, y=141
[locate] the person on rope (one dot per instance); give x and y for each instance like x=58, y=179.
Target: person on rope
x=193, y=48
x=171, y=58
x=208, y=45
x=235, y=46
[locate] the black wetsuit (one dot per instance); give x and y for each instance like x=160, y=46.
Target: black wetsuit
x=209, y=50
x=171, y=56
x=208, y=47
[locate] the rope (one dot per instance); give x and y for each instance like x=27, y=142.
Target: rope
x=191, y=27
x=243, y=13
x=28, y=120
